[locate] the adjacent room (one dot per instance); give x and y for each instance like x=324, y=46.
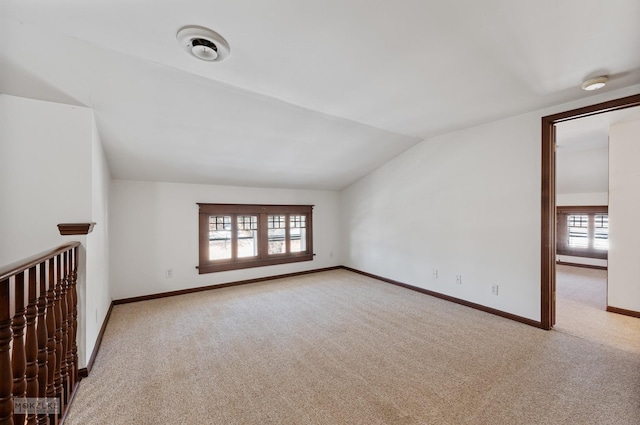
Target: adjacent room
x=319, y=213
x=582, y=194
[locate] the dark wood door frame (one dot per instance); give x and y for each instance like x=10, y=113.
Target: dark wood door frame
x=548, y=249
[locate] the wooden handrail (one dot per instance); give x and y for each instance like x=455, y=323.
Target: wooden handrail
x=26, y=263
x=38, y=329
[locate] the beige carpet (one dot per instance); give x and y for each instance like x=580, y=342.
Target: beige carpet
x=340, y=348
x=581, y=302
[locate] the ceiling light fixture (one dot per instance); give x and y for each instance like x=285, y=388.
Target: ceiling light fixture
x=595, y=83
x=203, y=43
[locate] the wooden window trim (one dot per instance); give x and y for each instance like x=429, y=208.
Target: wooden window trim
x=263, y=259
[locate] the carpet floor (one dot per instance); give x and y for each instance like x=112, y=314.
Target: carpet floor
x=340, y=348
x=581, y=302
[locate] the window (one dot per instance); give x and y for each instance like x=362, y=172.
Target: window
x=578, y=227
x=242, y=236
x=601, y=231
x=583, y=231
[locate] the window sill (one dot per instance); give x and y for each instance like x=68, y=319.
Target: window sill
x=246, y=264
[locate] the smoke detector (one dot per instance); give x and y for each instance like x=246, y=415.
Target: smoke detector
x=203, y=43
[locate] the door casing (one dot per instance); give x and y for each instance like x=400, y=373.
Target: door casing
x=548, y=205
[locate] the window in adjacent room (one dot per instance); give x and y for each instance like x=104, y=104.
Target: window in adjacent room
x=236, y=236
x=583, y=231
x=601, y=231
x=578, y=227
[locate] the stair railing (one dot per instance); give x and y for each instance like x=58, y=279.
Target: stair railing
x=38, y=328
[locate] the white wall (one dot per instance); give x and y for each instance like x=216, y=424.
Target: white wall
x=582, y=199
x=154, y=227
x=624, y=204
x=98, y=293
x=45, y=173
x=52, y=170
x=582, y=170
x=463, y=203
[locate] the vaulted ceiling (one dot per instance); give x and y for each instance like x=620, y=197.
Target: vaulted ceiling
x=314, y=94
x=582, y=159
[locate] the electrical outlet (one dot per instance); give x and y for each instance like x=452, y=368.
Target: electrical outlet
x=494, y=289
x=434, y=274
x=459, y=279
x=169, y=273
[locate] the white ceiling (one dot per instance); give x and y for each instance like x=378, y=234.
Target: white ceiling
x=314, y=94
x=583, y=151
x=593, y=131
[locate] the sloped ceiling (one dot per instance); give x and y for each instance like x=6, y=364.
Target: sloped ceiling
x=582, y=159
x=314, y=94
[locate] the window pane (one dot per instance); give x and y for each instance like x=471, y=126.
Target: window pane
x=601, y=232
x=247, y=236
x=578, y=231
x=298, y=233
x=277, y=230
x=219, y=237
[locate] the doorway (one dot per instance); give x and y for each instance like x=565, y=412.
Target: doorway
x=548, y=204
x=582, y=225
